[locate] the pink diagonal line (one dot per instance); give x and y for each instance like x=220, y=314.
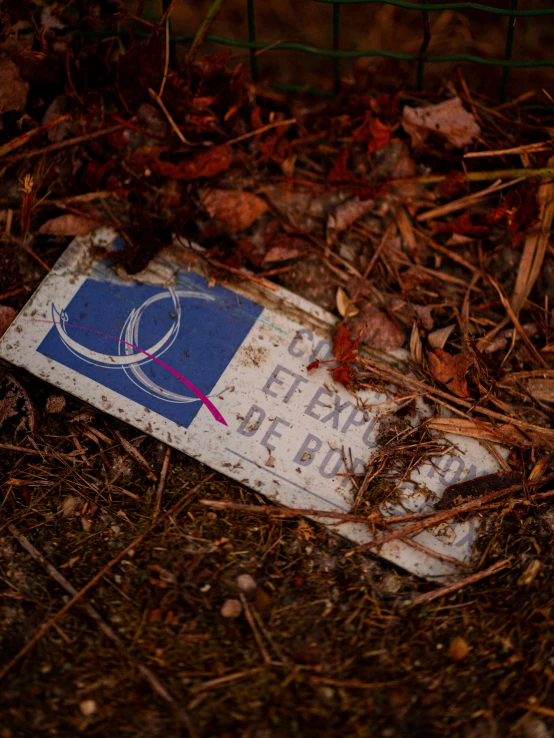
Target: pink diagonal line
x=201, y=396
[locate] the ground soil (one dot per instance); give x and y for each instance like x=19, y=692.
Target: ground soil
x=323, y=643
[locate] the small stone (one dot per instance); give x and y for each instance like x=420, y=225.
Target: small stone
x=534, y=727
x=458, y=649
x=231, y=609
x=246, y=583
x=88, y=707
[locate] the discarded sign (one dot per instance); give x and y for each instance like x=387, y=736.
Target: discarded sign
x=220, y=373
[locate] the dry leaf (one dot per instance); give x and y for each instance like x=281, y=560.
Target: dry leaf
x=68, y=225
x=425, y=315
x=13, y=90
x=437, y=339
x=374, y=132
x=345, y=351
x=375, y=329
x=343, y=304
x=449, y=118
x=450, y=370
x=345, y=215
x=55, y=404
x=207, y=164
x=7, y=315
x=284, y=248
x=234, y=210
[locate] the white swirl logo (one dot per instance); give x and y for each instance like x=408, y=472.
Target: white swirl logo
x=130, y=358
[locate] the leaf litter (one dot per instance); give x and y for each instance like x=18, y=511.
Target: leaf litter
x=307, y=204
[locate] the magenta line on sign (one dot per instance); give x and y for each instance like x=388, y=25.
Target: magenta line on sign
x=201, y=396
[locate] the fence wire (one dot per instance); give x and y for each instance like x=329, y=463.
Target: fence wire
x=420, y=60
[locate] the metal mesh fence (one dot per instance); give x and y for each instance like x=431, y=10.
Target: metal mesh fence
x=422, y=14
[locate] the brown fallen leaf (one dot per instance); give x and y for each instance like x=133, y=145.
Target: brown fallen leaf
x=284, y=248
x=68, y=225
x=206, y=164
x=7, y=315
x=55, y=404
x=450, y=370
x=345, y=215
x=375, y=329
x=448, y=118
x=13, y=90
x=234, y=210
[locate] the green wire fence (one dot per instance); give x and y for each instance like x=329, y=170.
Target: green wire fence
x=420, y=60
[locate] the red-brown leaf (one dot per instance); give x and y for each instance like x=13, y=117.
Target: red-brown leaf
x=451, y=370
x=345, y=351
x=374, y=328
x=205, y=165
x=234, y=210
x=462, y=225
x=344, y=348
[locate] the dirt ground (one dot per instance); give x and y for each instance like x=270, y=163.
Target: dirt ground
x=223, y=623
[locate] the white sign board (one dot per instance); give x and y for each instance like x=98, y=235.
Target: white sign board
x=220, y=373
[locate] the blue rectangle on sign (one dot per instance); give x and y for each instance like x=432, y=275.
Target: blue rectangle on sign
x=164, y=348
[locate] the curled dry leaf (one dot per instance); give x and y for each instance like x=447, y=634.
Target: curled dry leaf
x=375, y=329
x=437, y=339
x=207, y=164
x=343, y=304
x=449, y=118
x=68, y=225
x=234, y=210
x=450, y=370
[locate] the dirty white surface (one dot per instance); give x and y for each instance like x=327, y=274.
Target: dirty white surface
x=262, y=419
